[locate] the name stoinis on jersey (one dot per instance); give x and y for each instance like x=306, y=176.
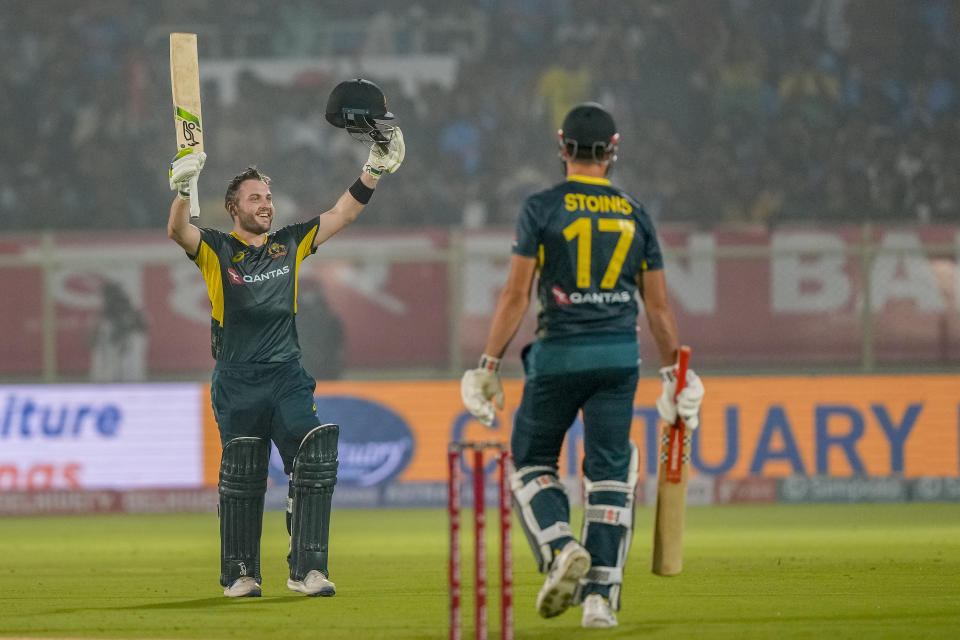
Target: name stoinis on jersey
x=602, y=204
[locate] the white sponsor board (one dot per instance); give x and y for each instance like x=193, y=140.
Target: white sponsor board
x=100, y=436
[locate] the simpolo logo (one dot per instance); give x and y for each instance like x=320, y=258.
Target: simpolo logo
x=375, y=443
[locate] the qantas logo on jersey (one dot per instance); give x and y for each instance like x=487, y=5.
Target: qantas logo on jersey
x=560, y=296
x=601, y=297
x=236, y=278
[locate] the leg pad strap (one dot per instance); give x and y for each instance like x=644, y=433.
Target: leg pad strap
x=544, y=510
x=608, y=530
x=605, y=575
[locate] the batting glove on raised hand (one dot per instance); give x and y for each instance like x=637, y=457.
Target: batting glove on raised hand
x=184, y=168
x=381, y=161
x=687, y=403
x=478, y=386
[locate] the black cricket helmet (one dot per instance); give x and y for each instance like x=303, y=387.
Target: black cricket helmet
x=589, y=133
x=357, y=105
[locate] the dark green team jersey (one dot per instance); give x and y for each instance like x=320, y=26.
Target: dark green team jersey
x=591, y=242
x=253, y=292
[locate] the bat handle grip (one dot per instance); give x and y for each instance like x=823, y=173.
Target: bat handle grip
x=683, y=363
x=194, y=198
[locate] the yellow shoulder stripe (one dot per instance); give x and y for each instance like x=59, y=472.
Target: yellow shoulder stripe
x=304, y=249
x=209, y=265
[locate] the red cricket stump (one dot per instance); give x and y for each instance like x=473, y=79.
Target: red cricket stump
x=506, y=550
x=453, y=510
x=480, y=544
x=454, y=460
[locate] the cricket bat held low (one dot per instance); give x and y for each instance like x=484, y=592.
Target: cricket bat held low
x=672, y=473
x=185, y=85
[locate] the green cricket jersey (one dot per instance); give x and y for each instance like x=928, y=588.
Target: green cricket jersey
x=253, y=292
x=591, y=241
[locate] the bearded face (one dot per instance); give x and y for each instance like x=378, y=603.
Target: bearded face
x=253, y=211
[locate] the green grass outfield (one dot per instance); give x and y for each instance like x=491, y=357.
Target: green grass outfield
x=773, y=571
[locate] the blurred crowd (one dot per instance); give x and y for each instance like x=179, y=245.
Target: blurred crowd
x=756, y=112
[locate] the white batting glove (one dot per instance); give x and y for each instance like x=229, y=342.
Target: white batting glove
x=382, y=161
x=687, y=404
x=478, y=386
x=183, y=169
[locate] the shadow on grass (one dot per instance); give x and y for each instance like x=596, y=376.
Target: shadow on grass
x=198, y=603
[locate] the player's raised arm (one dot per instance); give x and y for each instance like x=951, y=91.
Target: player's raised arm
x=179, y=228
x=383, y=159
x=359, y=107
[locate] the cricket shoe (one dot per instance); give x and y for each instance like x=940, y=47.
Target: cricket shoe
x=571, y=564
x=244, y=587
x=313, y=584
x=597, y=613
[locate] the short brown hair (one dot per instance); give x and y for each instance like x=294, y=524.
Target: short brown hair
x=250, y=173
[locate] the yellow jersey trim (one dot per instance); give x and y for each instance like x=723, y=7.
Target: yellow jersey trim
x=588, y=180
x=304, y=249
x=209, y=265
x=266, y=239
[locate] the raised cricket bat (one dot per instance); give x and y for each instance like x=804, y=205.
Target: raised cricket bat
x=672, y=487
x=185, y=84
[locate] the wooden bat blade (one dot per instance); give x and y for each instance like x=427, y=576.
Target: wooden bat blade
x=185, y=87
x=671, y=507
x=672, y=487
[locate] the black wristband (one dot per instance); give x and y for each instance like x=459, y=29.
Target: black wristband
x=360, y=192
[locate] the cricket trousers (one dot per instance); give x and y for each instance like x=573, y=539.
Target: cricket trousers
x=599, y=379
x=272, y=401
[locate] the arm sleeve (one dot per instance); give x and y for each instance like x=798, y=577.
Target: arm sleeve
x=213, y=239
x=301, y=230
x=303, y=235
x=652, y=256
x=526, y=241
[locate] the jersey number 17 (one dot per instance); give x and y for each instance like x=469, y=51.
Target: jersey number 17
x=581, y=230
